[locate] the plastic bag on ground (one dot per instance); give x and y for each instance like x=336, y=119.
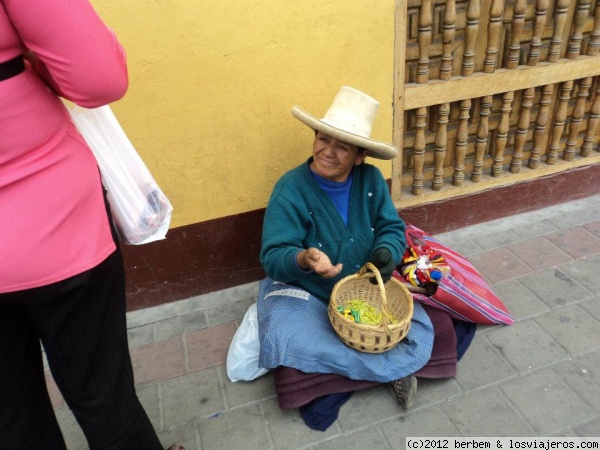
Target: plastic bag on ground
x=242, y=358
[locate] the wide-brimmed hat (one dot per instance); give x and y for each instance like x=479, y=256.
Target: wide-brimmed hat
x=350, y=119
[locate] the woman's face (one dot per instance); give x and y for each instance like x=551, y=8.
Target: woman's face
x=333, y=159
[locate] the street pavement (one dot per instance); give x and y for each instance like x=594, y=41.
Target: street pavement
x=539, y=377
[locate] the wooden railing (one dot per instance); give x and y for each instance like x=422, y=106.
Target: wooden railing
x=491, y=93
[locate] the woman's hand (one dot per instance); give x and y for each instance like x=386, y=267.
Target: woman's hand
x=317, y=261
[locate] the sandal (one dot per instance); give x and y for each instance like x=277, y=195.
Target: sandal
x=405, y=390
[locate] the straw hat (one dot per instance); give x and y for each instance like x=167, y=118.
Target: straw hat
x=350, y=119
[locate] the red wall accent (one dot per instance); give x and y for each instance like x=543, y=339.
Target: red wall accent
x=217, y=254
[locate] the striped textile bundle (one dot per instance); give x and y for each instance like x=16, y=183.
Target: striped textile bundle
x=461, y=292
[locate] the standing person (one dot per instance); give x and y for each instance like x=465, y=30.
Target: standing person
x=61, y=272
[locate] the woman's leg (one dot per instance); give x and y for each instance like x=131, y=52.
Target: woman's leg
x=84, y=333
x=27, y=419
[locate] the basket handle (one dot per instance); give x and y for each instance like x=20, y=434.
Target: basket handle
x=368, y=270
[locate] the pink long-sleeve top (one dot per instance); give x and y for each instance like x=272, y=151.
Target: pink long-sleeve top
x=53, y=222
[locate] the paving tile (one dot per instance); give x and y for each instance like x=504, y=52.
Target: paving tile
x=577, y=242
x=592, y=306
x=179, y=325
x=367, y=407
x=229, y=312
x=592, y=208
x=569, y=215
x=482, y=366
x=140, y=335
x=498, y=239
x=72, y=434
x=288, y=430
x=186, y=435
x=586, y=271
x=535, y=228
x=194, y=395
x=243, y=428
x=158, y=361
x=148, y=396
x=539, y=253
x=465, y=247
x=573, y=328
x=520, y=301
x=555, y=287
x=431, y=422
x=244, y=392
x=499, y=265
x=434, y=392
x=526, y=346
x=582, y=373
x=593, y=227
x=589, y=429
x=500, y=418
x=55, y=396
x=369, y=438
x=547, y=402
x=209, y=347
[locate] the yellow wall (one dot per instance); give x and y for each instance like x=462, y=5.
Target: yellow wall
x=212, y=84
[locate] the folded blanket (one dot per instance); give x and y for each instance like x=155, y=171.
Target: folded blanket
x=295, y=388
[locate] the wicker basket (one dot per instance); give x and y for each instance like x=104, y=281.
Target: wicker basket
x=393, y=300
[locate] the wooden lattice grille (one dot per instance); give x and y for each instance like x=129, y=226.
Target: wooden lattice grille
x=493, y=92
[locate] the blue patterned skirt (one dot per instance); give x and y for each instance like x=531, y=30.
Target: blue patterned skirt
x=294, y=331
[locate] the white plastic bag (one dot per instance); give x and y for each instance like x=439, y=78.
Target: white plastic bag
x=242, y=358
x=141, y=211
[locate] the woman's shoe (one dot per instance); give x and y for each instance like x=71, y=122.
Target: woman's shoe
x=176, y=447
x=405, y=390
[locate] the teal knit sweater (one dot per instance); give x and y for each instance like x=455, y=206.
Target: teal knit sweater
x=301, y=215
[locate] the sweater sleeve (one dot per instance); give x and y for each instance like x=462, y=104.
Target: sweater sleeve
x=389, y=227
x=75, y=53
x=283, y=233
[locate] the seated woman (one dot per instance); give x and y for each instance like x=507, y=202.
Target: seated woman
x=325, y=219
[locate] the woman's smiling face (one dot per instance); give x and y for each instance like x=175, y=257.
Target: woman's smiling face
x=334, y=159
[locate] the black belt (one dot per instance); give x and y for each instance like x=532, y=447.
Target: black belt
x=11, y=68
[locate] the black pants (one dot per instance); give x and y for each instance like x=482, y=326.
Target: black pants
x=81, y=324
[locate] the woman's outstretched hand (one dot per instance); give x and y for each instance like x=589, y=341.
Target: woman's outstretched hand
x=317, y=261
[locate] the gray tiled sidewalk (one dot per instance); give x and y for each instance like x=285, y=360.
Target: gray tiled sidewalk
x=538, y=377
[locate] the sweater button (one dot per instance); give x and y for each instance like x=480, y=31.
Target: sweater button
x=356, y=267
x=351, y=240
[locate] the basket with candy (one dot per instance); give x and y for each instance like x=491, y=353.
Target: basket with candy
x=369, y=317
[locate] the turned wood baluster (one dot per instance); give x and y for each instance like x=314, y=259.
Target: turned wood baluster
x=481, y=139
x=494, y=31
x=460, y=146
x=581, y=15
x=541, y=10
x=560, y=19
x=448, y=32
x=558, y=126
x=583, y=92
x=419, y=150
x=471, y=30
x=441, y=139
x=502, y=133
x=424, y=39
x=522, y=129
x=541, y=122
x=593, y=121
x=512, y=56
x=594, y=43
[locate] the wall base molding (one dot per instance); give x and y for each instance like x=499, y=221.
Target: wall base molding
x=218, y=254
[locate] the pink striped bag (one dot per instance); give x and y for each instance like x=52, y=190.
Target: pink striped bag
x=453, y=283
